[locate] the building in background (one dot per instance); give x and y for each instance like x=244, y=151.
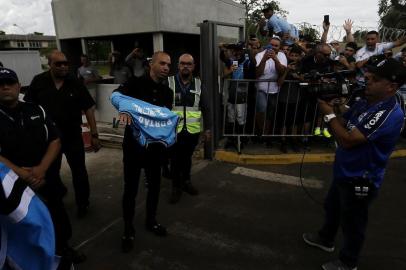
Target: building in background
x=169, y=25
x=26, y=42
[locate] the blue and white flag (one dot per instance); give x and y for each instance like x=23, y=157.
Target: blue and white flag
x=27, y=233
x=150, y=123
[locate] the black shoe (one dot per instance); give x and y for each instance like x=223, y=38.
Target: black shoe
x=313, y=239
x=175, y=195
x=82, y=211
x=190, y=189
x=157, y=229
x=127, y=240
x=73, y=255
x=127, y=243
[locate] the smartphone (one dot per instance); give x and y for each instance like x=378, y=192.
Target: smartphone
x=327, y=19
x=268, y=47
x=235, y=63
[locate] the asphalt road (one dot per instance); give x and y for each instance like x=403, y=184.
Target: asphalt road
x=246, y=217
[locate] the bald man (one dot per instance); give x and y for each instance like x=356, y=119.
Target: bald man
x=64, y=98
x=151, y=88
x=187, y=104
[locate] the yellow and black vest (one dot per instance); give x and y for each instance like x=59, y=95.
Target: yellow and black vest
x=186, y=104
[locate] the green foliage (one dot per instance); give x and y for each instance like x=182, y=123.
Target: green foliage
x=253, y=14
x=98, y=49
x=392, y=13
x=307, y=29
x=2, y=33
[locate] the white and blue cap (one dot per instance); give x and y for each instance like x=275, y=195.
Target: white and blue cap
x=7, y=74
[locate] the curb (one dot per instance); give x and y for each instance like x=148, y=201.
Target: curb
x=285, y=159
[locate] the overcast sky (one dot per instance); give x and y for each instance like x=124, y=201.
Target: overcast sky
x=36, y=15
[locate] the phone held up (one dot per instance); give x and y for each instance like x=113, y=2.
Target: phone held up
x=327, y=19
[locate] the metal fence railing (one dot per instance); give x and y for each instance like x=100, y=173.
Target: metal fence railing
x=288, y=110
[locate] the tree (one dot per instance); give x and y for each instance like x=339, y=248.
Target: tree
x=307, y=30
x=392, y=13
x=38, y=34
x=2, y=33
x=253, y=12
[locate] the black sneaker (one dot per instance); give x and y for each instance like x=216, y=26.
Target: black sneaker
x=313, y=239
x=127, y=243
x=337, y=265
x=190, y=189
x=175, y=195
x=157, y=229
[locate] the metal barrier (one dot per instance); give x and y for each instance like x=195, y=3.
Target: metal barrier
x=248, y=111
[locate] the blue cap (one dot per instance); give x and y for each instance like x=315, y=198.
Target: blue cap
x=8, y=74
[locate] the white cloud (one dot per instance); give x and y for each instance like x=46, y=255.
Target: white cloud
x=30, y=15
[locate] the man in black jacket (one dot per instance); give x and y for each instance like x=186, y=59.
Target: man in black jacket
x=150, y=88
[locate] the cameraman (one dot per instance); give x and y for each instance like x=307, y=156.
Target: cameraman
x=366, y=135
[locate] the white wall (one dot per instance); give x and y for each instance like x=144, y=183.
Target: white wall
x=26, y=64
x=91, y=18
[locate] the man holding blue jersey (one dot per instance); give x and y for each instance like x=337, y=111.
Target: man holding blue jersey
x=151, y=88
x=366, y=135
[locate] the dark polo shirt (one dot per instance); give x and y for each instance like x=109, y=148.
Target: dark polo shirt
x=64, y=105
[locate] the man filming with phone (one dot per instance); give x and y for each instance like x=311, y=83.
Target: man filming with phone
x=366, y=135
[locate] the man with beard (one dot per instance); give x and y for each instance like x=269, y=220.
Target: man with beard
x=187, y=104
x=64, y=98
x=151, y=88
x=372, y=48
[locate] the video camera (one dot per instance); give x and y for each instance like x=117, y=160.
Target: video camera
x=336, y=84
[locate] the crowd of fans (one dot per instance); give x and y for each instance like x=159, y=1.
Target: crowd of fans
x=278, y=104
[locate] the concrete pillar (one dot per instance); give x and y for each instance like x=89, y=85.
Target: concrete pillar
x=158, y=41
x=84, y=45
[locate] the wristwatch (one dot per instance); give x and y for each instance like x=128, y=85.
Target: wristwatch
x=327, y=118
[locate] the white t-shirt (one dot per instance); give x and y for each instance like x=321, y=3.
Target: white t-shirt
x=270, y=72
x=363, y=54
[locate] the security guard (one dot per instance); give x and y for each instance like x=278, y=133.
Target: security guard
x=187, y=104
x=29, y=145
x=64, y=98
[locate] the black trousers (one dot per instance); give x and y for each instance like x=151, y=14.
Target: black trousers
x=135, y=158
x=52, y=194
x=343, y=208
x=181, y=158
x=73, y=148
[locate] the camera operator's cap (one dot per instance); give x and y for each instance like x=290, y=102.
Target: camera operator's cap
x=389, y=69
x=8, y=74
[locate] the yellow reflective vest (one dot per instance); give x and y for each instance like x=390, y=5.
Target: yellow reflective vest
x=191, y=115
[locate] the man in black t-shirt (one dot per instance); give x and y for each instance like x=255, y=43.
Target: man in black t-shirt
x=64, y=98
x=29, y=145
x=150, y=88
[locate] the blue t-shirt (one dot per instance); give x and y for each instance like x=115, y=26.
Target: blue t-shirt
x=381, y=124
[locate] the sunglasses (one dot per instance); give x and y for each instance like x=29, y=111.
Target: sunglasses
x=61, y=63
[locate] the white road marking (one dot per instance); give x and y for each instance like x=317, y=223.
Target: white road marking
x=277, y=178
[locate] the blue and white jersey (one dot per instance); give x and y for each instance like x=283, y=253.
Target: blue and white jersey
x=27, y=233
x=279, y=25
x=381, y=124
x=150, y=123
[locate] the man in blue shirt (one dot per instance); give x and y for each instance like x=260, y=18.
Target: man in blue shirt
x=278, y=26
x=366, y=135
